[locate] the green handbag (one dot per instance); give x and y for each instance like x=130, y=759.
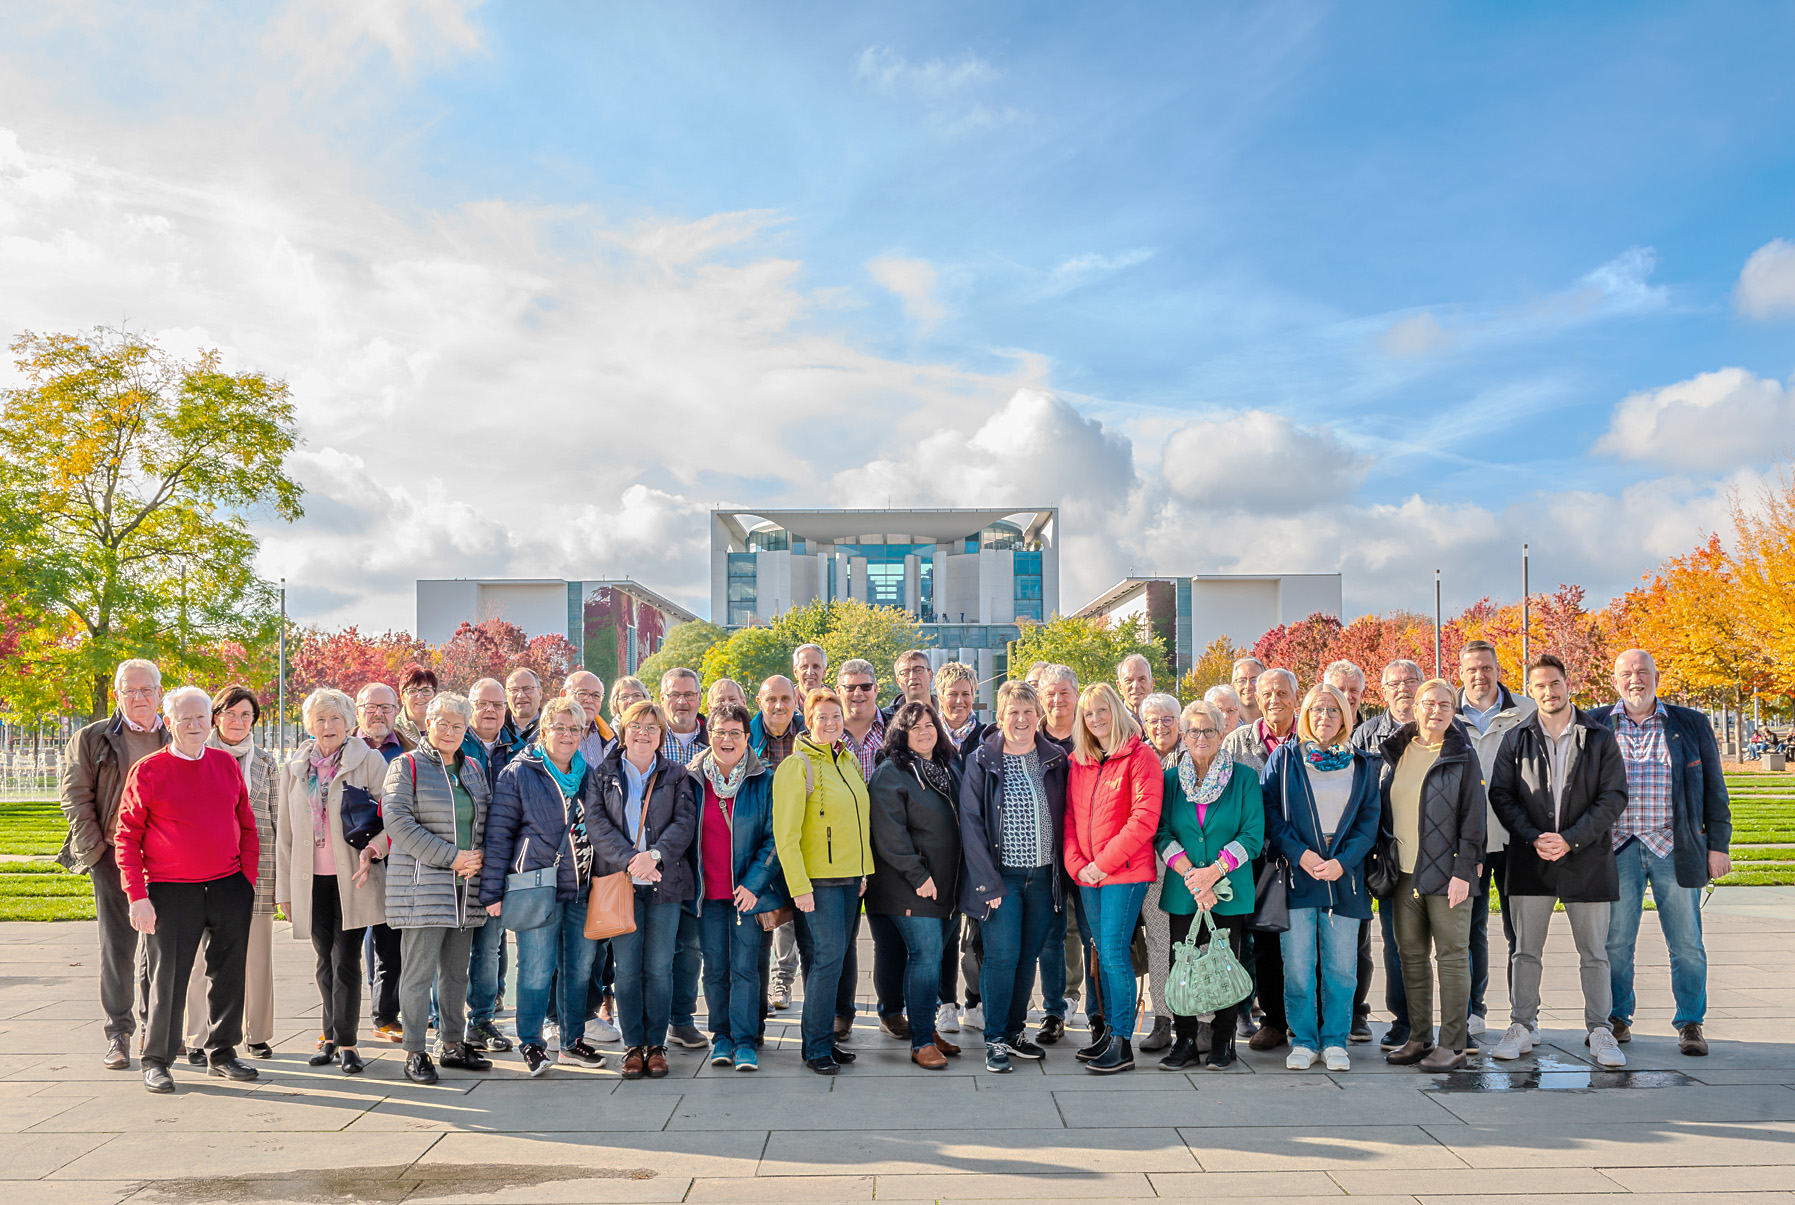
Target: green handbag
x=1209, y=979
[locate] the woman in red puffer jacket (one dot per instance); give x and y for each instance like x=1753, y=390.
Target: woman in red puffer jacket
x=1113, y=792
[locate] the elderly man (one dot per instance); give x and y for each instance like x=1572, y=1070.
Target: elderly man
x=1674, y=835
x=1401, y=679
x=1489, y=712
x=1245, y=680
x=523, y=698
x=95, y=764
x=1134, y=678
x=376, y=714
x=588, y=690
x=683, y=741
x=187, y=853
x=376, y=710
x=810, y=666
x=1224, y=699
x=1349, y=680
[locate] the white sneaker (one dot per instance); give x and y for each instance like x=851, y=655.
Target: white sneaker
x=1516, y=1041
x=975, y=1017
x=947, y=1019
x=1533, y=1032
x=1336, y=1058
x=1474, y=1024
x=1301, y=1058
x=602, y=1031
x=1606, y=1049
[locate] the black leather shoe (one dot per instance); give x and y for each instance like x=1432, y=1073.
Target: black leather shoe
x=822, y=1066
x=1119, y=1057
x=233, y=1068
x=844, y=1056
x=156, y=1077
x=352, y=1064
x=1052, y=1030
x=460, y=1054
x=1099, y=1041
x=1182, y=1054
x=419, y=1069
x=196, y=1058
x=327, y=1054
x=261, y=1050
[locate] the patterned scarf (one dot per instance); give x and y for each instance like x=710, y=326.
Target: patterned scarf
x=1334, y=757
x=319, y=772
x=726, y=785
x=1215, y=780
x=934, y=776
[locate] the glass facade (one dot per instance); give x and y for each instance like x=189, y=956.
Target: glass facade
x=1027, y=595
x=743, y=591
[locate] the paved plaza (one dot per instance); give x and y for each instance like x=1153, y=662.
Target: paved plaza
x=1544, y=1129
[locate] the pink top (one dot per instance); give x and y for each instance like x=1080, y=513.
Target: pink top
x=716, y=848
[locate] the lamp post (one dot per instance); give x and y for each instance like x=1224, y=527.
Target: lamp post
x=280, y=713
x=1526, y=652
x=1437, y=659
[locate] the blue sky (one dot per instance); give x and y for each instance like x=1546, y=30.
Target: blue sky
x=1300, y=287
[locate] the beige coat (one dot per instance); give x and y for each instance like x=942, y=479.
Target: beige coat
x=362, y=906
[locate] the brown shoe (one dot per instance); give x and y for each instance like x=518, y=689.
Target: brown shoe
x=1269, y=1037
x=1409, y=1053
x=1690, y=1040
x=1443, y=1059
x=633, y=1062
x=657, y=1062
x=945, y=1046
x=928, y=1058
x=1622, y=1031
x=392, y=1033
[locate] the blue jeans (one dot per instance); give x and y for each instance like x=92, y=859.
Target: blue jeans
x=1053, y=965
x=823, y=936
x=1317, y=935
x=890, y=994
x=483, y=971
x=1014, y=936
x=731, y=945
x=561, y=954
x=1679, y=915
x=1112, y=911
x=644, y=972
x=923, y=938
x=687, y=955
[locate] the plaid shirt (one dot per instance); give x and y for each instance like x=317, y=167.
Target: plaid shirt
x=868, y=750
x=680, y=749
x=1646, y=754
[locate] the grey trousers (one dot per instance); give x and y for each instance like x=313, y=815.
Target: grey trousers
x=785, y=956
x=124, y=975
x=1589, y=929
x=1425, y=925
x=439, y=957
x=1159, y=949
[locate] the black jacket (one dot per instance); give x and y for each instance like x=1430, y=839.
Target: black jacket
x=1452, y=809
x=672, y=824
x=916, y=837
x=1595, y=794
x=981, y=820
x=526, y=828
x=1702, y=820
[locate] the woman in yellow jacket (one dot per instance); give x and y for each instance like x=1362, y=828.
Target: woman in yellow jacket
x=823, y=828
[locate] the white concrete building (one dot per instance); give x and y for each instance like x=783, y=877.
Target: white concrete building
x=1189, y=612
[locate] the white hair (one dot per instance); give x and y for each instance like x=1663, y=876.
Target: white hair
x=1060, y=673
x=1130, y=659
x=135, y=663
x=1216, y=692
x=1649, y=663
x=806, y=647
x=452, y=703
x=1347, y=668
x=859, y=665
x=1160, y=698
x=180, y=694
x=1280, y=672
x=327, y=698
x=1404, y=663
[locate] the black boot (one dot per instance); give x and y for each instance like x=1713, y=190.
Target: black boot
x=460, y=1054
x=1182, y=1054
x=1118, y=1057
x=1099, y=1040
x=1221, y=1051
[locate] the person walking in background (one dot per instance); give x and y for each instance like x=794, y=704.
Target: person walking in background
x=1559, y=786
x=95, y=765
x=187, y=855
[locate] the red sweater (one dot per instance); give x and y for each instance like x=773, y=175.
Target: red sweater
x=183, y=821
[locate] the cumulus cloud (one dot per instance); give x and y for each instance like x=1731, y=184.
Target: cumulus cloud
x=1716, y=420
x=1766, y=286
x=1260, y=461
x=914, y=282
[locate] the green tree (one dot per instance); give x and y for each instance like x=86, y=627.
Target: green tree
x=143, y=471
x=878, y=634
x=1089, y=645
x=1214, y=668
x=750, y=656
x=685, y=645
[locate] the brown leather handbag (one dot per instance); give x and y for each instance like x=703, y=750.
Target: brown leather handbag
x=611, y=904
x=785, y=914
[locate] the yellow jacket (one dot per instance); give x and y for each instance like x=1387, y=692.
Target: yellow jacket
x=821, y=816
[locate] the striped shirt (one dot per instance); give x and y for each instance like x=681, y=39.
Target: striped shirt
x=1646, y=754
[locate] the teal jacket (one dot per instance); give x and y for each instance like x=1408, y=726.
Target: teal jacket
x=1238, y=815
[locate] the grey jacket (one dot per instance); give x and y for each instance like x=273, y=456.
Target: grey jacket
x=418, y=805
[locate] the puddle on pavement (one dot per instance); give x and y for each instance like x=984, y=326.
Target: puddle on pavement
x=1552, y=1075
x=354, y=1185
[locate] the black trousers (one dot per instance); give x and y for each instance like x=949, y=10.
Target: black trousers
x=218, y=912
x=1361, y=997
x=384, y=968
x=339, y=962
x=1236, y=929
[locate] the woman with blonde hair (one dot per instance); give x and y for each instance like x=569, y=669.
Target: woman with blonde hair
x=1113, y=794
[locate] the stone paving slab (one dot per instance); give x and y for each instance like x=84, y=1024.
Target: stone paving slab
x=1045, y=1151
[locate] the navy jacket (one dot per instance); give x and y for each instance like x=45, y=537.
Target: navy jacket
x=526, y=827
x=503, y=750
x=1292, y=826
x=757, y=732
x=1701, y=818
x=672, y=825
x=756, y=858
x=981, y=820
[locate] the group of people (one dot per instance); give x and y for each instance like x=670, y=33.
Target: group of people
x=1084, y=823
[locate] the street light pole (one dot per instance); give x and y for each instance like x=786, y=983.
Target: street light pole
x=1526, y=652
x=281, y=674
x=1437, y=659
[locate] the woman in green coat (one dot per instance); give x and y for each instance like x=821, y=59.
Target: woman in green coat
x=1211, y=827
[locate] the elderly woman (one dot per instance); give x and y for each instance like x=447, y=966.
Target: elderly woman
x=234, y=715
x=625, y=695
x=435, y=807
x=1159, y=728
x=1211, y=827
x=331, y=892
x=187, y=855
x=417, y=686
x=1321, y=816
x=1227, y=702
x=1012, y=818
x=916, y=861
x=822, y=827
x=645, y=823
x=538, y=821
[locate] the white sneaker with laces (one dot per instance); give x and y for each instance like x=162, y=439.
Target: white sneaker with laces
x=975, y=1017
x=1516, y=1041
x=1301, y=1058
x=602, y=1031
x=947, y=1019
x=1533, y=1032
x=1606, y=1049
x=1474, y=1024
x=1336, y=1058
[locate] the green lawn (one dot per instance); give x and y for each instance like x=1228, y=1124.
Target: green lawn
x=31, y=829
x=43, y=891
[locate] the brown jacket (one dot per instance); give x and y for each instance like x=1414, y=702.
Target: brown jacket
x=93, y=778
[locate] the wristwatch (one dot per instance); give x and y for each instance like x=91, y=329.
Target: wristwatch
x=656, y=855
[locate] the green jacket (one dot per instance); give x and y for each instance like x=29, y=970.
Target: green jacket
x=1237, y=816
x=822, y=823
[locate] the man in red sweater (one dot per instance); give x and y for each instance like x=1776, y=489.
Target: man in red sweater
x=187, y=850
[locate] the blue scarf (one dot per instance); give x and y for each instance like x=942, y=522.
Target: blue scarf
x=1336, y=757
x=570, y=781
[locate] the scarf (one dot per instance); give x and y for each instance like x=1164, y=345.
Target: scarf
x=726, y=785
x=242, y=751
x=1215, y=780
x=934, y=776
x=1334, y=757
x=319, y=772
x=570, y=781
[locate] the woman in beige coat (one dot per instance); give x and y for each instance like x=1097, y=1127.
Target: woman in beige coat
x=329, y=890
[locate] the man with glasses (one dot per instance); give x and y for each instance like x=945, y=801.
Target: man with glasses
x=95, y=764
x=485, y=743
x=914, y=677
x=376, y=708
x=1349, y=680
x=683, y=741
x=585, y=688
x=1401, y=679
x=1245, y=680
x=523, y=694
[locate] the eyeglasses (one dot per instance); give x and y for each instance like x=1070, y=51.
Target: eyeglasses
x=727, y=734
x=490, y=706
x=1322, y=713
x=855, y=688
x=565, y=730
x=587, y=694
x=379, y=708
x=138, y=692
x=1202, y=734
x=687, y=695
x=639, y=728
x=1161, y=721
x=412, y=692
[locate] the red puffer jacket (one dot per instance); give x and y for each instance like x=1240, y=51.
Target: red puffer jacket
x=1112, y=813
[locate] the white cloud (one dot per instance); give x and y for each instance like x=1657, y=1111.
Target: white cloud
x=1717, y=420
x=1260, y=462
x=1080, y=270
x=1416, y=335
x=914, y=281
x=328, y=37
x=1766, y=286
x=890, y=71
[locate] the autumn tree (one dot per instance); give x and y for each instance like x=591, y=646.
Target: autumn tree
x=1214, y=668
x=1763, y=567
x=1300, y=647
x=140, y=472
x=493, y=648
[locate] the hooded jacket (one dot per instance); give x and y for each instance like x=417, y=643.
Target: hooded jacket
x=1112, y=814
x=1453, y=808
x=754, y=855
x=981, y=820
x=1595, y=794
